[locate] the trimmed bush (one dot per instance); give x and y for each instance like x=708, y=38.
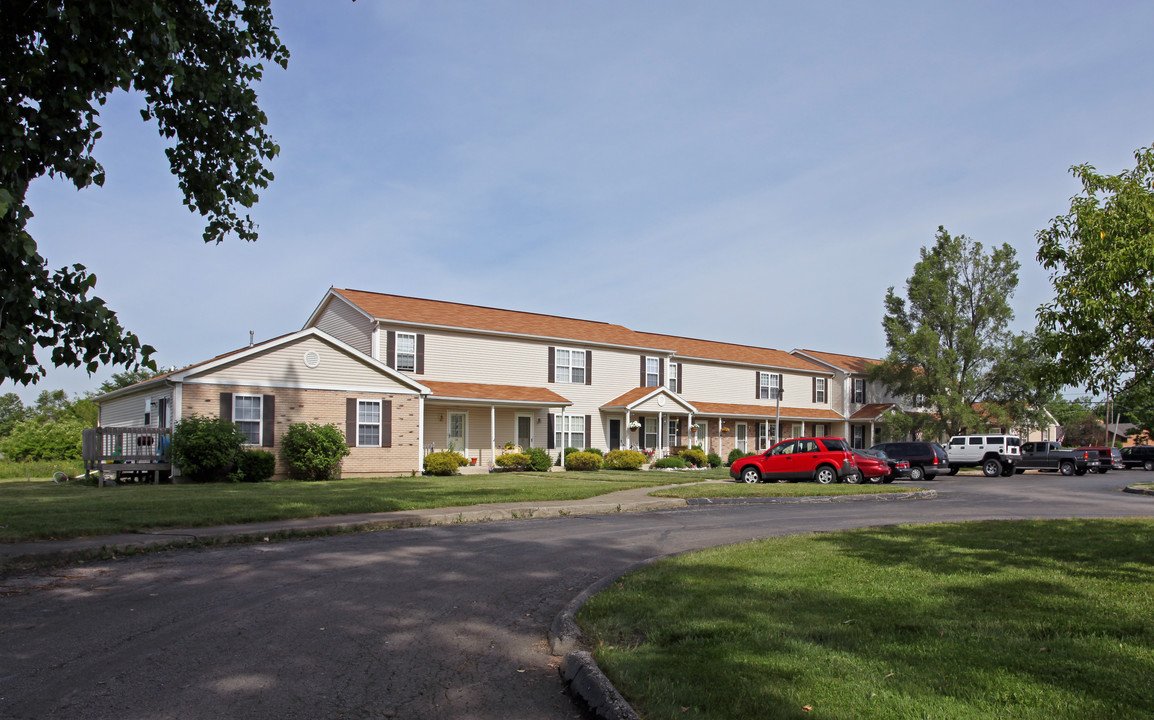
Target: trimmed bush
x=583, y=461
x=714, y=460
x=206, y=449
x=255, y=466
x=444, y=463
x=595, y=451
x=734, y=454
x=539, y=460
x=624, y=460
x=513, y=461
x=694, y=456
x=670, y=463
x=313, y=451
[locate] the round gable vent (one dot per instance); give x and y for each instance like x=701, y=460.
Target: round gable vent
x=312, y=358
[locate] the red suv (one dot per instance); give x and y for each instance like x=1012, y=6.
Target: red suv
x=824, y=460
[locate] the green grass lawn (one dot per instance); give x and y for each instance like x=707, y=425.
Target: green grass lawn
x=42, y=509
x=1038, y=619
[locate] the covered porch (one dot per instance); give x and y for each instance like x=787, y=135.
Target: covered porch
x=652, y=420
x=480, y=420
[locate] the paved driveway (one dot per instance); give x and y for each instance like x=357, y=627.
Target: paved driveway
x=442, y=622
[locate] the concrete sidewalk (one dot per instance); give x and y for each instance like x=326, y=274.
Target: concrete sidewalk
x=13, y=555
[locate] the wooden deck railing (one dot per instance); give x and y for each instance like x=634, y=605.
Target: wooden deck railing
x=127, y=449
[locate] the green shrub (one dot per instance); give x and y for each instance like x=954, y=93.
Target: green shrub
x=583, y=461
x=513, y=461
x=444, y=463
x=595, y=451
x=670, y=463
x=206, y=448
x=624, y=460
x=735, y=454
x=714, y=460
x=40, y=440
x=255, y=466
x=313, y=451
x=564, y=454
x=539, y=460
x=694, y=456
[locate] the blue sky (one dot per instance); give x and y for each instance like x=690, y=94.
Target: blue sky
x=752, y=172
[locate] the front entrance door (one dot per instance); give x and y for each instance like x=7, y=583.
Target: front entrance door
x=458, y=432
x=614, y=434
x=524, y=431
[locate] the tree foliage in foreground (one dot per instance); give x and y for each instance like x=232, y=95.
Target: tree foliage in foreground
x=950, y=347
x=194, y=62
x=1100, y=324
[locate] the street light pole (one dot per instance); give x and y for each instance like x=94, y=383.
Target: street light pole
x=777, y=424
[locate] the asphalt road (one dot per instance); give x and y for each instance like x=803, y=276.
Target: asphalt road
x=441, y=622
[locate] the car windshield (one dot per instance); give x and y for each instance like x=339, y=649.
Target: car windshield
x=836, y=444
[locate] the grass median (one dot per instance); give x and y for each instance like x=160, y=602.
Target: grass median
x=41, y=509
x=1031, y=619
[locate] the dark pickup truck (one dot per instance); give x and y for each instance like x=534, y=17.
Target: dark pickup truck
x=1050, y=456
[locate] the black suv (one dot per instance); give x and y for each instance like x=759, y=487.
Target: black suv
x=927, y=459
x=1139, y=456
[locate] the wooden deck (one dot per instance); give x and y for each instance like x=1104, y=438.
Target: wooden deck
x=137, y=452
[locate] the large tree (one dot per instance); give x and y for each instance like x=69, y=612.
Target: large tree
x=194, y=62
x=1100, y=324
x=950, y=347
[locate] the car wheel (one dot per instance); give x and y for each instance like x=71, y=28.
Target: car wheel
x=750, y=475
x=954, y=469
x=992, y=468
x=1148, y=465
x=1067, y=468
x=878, y=480
x=853, y=479
x=825, y=475
x=917, y=474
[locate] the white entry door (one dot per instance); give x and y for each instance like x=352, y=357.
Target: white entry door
x=458, y=431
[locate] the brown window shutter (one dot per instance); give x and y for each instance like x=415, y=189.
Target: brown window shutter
x=642, y=383
x=391, y=349
x=552, y=373
x=351, y=422
x=268, y=420
x=588, y=431
x=757, y=385
x=588, y=367
x=226, y=406
x=661, y=372
x=814, y=384
x=680, y=376
x=641, y=433
x=386, y=423
x=552, y=428
x=421, y=354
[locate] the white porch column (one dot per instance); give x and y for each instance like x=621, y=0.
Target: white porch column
x=492, y=434
x=661, y=430
x=628, y=439
x=690, y=430
x=420, y=432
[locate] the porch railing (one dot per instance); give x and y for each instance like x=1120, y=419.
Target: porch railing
x=127, y=449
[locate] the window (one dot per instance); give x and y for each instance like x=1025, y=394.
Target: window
x=859, y=390
x=407, y=352
x=672, y=379
x=767, y=385
x=652, y=372
x=570, y=366
x=570, y=431
x=368, y=423
x=819, y=390
x=246, y=413
x=766, y=435
x=650, y=433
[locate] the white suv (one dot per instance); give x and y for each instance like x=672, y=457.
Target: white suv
x=996, y=454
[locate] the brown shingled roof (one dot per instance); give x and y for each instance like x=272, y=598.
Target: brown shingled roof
x=507, y=393
x=871, y=411
x=852, y=363
x=767, y=411
x=474, y=317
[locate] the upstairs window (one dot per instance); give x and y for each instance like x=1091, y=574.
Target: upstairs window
x=819, y=390
x=407, y=352
x=768, y=385
x=859, y=390
x=672, y=379
x=652, y=372
x=570, y=366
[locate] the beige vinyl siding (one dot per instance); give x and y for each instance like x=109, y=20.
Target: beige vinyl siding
x=124, y=411
x=284, y=366
x=345, y=323
x=736, y=384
